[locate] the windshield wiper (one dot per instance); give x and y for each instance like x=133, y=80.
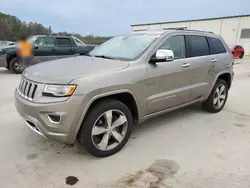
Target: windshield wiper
x=104, y=56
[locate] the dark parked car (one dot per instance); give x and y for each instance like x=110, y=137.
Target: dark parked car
x=237, y=50
x=46, y=48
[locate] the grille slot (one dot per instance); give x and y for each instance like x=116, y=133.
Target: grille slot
x=27, y=89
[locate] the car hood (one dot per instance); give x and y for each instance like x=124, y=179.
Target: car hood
x=63, y=71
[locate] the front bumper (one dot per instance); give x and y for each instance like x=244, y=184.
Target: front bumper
x=3, y=62
x=36, y=117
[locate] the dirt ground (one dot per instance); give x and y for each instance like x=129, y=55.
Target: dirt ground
x=188, y=148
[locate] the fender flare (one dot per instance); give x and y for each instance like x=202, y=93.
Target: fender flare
x=217, y=77
x=93, y=99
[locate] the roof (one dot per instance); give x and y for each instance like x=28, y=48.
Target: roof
x=204, y=19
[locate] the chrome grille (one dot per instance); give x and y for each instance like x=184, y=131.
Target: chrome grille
x=27, y=89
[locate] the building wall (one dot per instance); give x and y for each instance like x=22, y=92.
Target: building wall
x=210, y=25
x=244, y=24
x=228, y=28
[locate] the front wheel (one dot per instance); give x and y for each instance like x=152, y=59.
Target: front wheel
x=16, y=66
x=106, y=128
x=217, y=98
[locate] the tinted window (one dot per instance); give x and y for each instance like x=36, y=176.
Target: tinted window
x=45, y=41
x=63, y=42
x=216, y=46
x=197, y=46
x=177, y=45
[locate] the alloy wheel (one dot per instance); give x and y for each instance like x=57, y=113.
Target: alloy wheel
x=219, y=96
x=18, y=66
x=109, y=130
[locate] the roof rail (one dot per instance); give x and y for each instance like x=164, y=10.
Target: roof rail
x=186, y=29
x=199, y=30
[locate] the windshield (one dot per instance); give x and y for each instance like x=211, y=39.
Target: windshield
x=126, y=47
x=78, y=42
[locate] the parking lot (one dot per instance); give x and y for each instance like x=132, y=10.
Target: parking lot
x=188, y=148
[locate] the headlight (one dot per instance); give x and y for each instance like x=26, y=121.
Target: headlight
x=59, y=90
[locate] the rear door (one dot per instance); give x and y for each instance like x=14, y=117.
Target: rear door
x=198, y=56
x=44, y=49
x=64, y=48
x=207, y=65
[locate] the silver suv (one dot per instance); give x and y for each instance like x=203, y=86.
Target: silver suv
x=97, y=98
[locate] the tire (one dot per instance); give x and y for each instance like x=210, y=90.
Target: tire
x=210, y=104
x=15, y=66
x=242, y=55
x=96, y=116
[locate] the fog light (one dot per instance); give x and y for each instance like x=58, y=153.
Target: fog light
x=54, y=118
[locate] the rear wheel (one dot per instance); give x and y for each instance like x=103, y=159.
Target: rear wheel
x=242, y=55
x=217, y=98
x=15, y=66
x=106, y=128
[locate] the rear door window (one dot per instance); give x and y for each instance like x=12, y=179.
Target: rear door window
x=197, y=46
x=63, y=42
x=216, y=46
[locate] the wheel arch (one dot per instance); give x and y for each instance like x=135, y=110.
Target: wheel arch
x=227, y=77
x=9, y=58
x=126, y=96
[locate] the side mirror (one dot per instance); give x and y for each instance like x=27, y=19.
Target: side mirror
x=35, y=46
x=163, y=55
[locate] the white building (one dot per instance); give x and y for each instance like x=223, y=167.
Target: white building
x=234, y=29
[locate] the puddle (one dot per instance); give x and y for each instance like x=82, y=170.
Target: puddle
x=163, y=168
x=152, y=177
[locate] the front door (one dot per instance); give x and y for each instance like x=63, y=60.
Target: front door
x=64, y=48
x=44, y=49
x=168, y=82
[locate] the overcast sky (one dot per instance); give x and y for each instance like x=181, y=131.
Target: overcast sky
x=111, y=17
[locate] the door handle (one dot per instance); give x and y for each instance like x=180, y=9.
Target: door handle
x=185, y=65
x=214, y=60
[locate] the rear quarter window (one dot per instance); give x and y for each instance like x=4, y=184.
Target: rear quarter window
x=63, y=42
x=216, y=46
